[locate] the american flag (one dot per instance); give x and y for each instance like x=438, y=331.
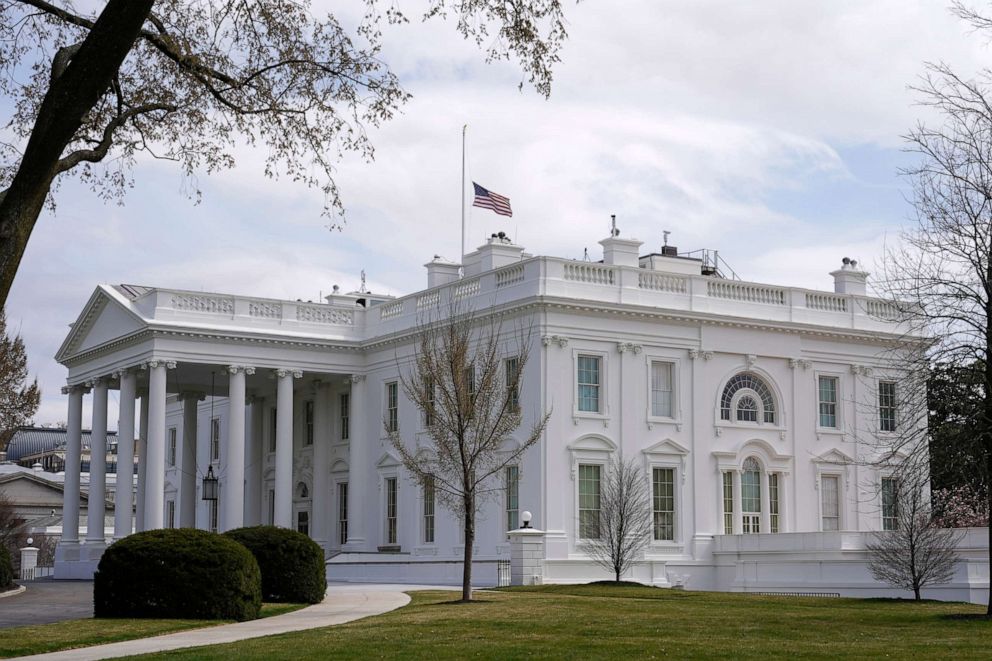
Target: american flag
x=489, y=200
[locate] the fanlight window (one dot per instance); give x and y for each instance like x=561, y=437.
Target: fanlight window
x=745, y=407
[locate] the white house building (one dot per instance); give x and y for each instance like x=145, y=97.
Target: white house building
x=745, y=404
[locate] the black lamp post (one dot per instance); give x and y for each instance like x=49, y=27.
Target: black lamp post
x=210, y=485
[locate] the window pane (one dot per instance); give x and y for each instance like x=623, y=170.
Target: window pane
x=728, y=503
x=887, y=405
x=830, y=501
x=588, y=383
x=661, y=389
x=391, y=510
x=890, y=504
x=773, y=505
x=392, y=407
x=342, y=512
x=429, y=511
x=828, y=401
x=512, y=480
x=663, y=484
x=747, y=410
x=345, y=416
x=589, y=494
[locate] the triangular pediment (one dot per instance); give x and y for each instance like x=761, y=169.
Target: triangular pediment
x=834, y=457
x=388, y=459
x=667, y=446
x=103, y=320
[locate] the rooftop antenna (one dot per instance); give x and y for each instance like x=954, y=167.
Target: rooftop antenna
x=613, y=225
x=362, y=289
x=585, y=255
x=666, y=233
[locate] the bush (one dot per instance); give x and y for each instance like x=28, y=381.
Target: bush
x=177, y=573
x=292, y=564
x=6, y=569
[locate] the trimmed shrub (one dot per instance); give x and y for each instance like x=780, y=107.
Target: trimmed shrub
x=177, y=573
x=292, y=564
x=6, y=569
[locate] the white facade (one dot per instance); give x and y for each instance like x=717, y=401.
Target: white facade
x=746, y=405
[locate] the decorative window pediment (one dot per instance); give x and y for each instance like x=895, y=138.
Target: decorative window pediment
x=388, y=460
x=667, y=447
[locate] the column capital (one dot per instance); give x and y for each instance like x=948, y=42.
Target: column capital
x=69, y=389
x=97, y=382
x=357, y=378
x=192, y=394
x=234, y=369
x=168, y=364
x=296, y=374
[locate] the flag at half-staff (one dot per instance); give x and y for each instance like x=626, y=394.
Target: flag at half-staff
x=489, y=200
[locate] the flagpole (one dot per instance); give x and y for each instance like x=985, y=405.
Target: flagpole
x=461, y=258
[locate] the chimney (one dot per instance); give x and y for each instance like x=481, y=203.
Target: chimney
x=849, y=279
x=497, y=251
x=440, y=272
x=621, y=252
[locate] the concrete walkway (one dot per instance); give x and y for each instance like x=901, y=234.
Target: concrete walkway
x=343, y=603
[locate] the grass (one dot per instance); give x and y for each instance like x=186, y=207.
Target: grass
x=605, y=622
x=41, y=638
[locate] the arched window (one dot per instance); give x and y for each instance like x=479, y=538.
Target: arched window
x=742, y=395
x=751, y=496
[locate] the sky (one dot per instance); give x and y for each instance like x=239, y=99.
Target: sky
x=771, y=131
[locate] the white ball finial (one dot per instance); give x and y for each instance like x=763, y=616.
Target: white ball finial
x=525, y=517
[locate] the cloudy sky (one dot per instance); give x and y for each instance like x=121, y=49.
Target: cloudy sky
x=769, y=130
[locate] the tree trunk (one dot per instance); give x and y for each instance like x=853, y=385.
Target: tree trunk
x=916, y=591
x=71, y=95
x=987, y=422
x=469, y=512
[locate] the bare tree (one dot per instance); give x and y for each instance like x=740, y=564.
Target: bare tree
x=918, y=552
x=466, y=381
x=18, y=399
x=189, y=81
x=623, y=530
x=13, y=535
x=941, y=273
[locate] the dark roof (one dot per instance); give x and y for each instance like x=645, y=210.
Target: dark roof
x=32, y=440
x=133, y=291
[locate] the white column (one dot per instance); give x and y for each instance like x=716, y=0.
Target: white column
x=284, y=448
x=188, y=475
x=738, y=503
x=155, y=461
x=321, y=461
x=233, y=498
x=97, y=496
x=73, y=452
x=358, y=481
x=253, y=471
x=784, y=525
x=125, y=455
x=142, y=450
x=766, y=511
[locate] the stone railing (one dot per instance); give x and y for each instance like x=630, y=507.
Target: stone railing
x=828, y=302
x=745, y=292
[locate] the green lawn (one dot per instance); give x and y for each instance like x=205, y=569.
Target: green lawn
x=19, y=641
x=596, y=622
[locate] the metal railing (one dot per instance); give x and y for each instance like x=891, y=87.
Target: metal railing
x=502, y=573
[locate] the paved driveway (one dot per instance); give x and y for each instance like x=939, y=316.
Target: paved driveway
x=47, y=601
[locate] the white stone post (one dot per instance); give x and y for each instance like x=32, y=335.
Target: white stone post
x=284, y=447
x=97, y=496
x=321, y=461
x=29, y=561
x=125, y=455
x=526, y=556
x=188, y=474
x=358, y=479
x=738, y=503
x=73, y=452
x=766, y=509
x=234, y=485
x=253, y=472
x=142, y=449
x=155, y=461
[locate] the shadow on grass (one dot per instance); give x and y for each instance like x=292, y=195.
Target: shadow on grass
x=967, y=617
x=462, y=602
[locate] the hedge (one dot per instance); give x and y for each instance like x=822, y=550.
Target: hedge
x=177, y=573
x=6, y=569
x=292, y=564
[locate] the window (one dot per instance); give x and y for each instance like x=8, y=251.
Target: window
x=890, y=503
x=773, y=506
x=429, y=510
x=170, y=514
x=171, y=452
x=345, y=413
x=429, y=409
x=663, y=483
x=728, y=503
x=212, y=512
x=391, y=510
x=589, y=382
x=272, y=507
x=303, y=522
x=272, y=431
x=747, y=409
x=830, y=502
x=512, y=383
x=887, y=405
x=751, y=496
x=511, y=479
x=392, y=407
x=308, y=413
x=215, y=439
x=342, y=513
x=661, y=390
x=827, y=389
x=761, y=391
x=589, y=495
x=470, y=382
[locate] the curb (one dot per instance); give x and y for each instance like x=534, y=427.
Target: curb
x=14, y=592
